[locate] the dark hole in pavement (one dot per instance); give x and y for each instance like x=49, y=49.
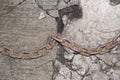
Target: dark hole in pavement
x=66, y=1
x=60, y=25
x=73, y=12
x=60, y=55
x=114, y=2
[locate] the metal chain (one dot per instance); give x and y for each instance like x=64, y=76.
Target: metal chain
x=51, y=42
x=29, y=55
x=101, y=49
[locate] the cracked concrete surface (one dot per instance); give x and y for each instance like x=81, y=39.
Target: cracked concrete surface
x=22, y=30
x=99, y=23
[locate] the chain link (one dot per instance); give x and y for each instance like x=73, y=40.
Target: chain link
x=51, y=42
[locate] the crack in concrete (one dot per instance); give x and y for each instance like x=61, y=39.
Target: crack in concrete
x=9, y=11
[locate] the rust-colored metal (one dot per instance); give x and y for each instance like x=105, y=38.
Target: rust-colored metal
x=57, y=38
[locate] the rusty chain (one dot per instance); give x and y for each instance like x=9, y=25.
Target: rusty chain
x=29, y=55
x=101, y=49
x=51, y=42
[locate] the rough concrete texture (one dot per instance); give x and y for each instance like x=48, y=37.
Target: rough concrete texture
x=22, y=30
x=100, y=22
